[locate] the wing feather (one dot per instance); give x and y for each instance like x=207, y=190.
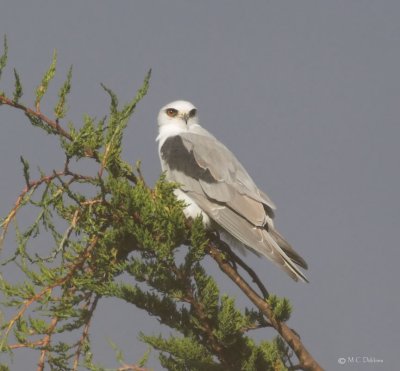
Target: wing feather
x=216, y=181
x=222, y=164
x=256, y=238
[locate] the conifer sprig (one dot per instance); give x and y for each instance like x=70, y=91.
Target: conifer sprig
x=47, y=77
x=4, y=56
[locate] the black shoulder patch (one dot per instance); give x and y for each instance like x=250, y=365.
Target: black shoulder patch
x=178, y=158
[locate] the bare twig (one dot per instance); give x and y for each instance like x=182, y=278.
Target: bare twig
x=29, y=189
x=53, y=124
x=132, y=368
x=46, y=342
x=34, y=344
x=33, y=185
x=254, y=326
x=85, y=333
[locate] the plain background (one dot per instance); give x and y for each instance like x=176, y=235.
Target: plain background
x=307, y=95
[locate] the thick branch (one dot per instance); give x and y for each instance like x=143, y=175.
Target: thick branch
x=307, y=362
x=249, y=271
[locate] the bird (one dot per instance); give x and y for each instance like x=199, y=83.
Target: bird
x=214, y=185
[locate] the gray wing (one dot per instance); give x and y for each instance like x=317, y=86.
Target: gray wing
x=212, y=176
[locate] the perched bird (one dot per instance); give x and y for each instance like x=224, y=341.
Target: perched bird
x=214, y=184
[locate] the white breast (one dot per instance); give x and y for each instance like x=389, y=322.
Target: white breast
x=192, y=210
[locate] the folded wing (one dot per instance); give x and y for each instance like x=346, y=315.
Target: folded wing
x=216, y=181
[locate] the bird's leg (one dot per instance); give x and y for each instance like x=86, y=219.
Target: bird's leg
x=252, y=274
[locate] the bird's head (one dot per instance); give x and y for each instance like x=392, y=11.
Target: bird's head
x=179, y=114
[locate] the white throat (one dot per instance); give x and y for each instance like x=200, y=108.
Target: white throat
x=170, y=130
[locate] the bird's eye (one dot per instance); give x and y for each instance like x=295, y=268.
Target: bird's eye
x=193, y=112
x=171, y=112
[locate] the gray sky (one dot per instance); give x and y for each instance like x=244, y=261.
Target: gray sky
x=307, y=95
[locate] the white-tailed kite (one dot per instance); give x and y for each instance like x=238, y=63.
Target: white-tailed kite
x=214, y=184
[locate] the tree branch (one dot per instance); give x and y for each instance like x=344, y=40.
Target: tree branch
x=239, y=261
x=307, y=362
x=46, y=342
x=54, y=125
x=207, y=328
x=30, y=187
x=132, y=368
x=85, y=333
x=73, y=268
x=34, y=344
x=28, y=111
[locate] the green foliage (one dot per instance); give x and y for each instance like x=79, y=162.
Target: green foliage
x=18, y=87
x=47, y=77
x=60, y=110
x=4, y=56
x=116, y=124
x=280, y=307
x=38, y=122
x=90, y=136
x=111, y=235
x=185, y=353
x=25, y=165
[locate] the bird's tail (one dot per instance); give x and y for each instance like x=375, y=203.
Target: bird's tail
x=291, y=259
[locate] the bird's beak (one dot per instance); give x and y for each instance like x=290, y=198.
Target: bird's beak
x=185, y=117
